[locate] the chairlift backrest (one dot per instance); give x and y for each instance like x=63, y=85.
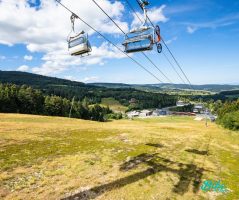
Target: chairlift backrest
x=141, y=32
x=141, y=39
x=76, y=41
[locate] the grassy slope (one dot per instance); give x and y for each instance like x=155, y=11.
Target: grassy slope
x=51, y=158
x=113, y=104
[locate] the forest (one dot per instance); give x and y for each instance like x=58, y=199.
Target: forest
x=69, y=89
x=26, y=100
x=28, y=93
x=228, y=115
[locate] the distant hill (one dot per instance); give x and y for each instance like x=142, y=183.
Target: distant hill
x=94, y=92
x=167, y=86
x=20, y=78
x=112, y=85
x=36, y=80
x=50, y=85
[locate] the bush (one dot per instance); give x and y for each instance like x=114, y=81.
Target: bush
x=228, y=107
x=116, y=116
x=230, y=120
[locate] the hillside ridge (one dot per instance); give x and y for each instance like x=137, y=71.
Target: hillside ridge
x=27, y=78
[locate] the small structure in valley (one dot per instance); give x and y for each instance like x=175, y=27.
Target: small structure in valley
x=158, y=112
x=181, y=103
x=133, y=101
x=145, y=113
x=133, y=114
x=198, y=108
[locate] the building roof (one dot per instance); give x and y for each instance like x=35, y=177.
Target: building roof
x=146, y=111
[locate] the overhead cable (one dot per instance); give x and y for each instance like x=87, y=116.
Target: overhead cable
x=135, y=61
x=166, y=47
x=125, y=34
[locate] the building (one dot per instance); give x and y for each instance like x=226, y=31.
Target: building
x=145, y=113
x=132, y=101
x=163, y=112
x=133, y=114
x=181, y=103
x=195, y=110
x=198, y=108
x=156, y=112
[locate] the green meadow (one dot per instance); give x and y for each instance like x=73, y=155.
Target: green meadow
x=155, y=158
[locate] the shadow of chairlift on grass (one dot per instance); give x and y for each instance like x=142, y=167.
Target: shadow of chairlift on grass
x=188, y=174
x=195, y=151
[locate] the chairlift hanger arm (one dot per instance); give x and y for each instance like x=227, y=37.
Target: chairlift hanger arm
x=143, y=3
x=73, y=17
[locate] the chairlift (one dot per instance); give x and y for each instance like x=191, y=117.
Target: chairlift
x=143, y=38
x=78, y=44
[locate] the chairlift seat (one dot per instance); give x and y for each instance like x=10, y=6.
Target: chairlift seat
x=141, y=39
x=79, y=45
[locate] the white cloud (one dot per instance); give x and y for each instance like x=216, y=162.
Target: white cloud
x=155, y=14
x=191, y=29
x=2, y=57
x=90, y=79
x=85, y=80
x=171, y=40
x=59, y=61
x=45, y=30
x=51, y=22
x=221, y=22
x=71, y=78
x=28, y=57
x=23, y=68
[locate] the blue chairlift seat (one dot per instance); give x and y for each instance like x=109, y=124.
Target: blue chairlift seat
x=139, y=40
x=79, y=45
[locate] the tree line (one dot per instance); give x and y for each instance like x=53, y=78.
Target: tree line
x=69, y=89
x=26, y=100
x=186, y=108
x=228, y=115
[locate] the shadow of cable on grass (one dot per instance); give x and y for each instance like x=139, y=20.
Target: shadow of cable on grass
x=155, y=145
x=195, y=151
x=189, y=174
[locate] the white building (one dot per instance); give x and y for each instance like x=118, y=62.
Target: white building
x=145, y=113
x=133, y=114
x=198, y=108
x=181, y=103
x=156, y=112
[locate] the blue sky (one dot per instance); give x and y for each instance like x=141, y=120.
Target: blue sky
x=203, y=35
